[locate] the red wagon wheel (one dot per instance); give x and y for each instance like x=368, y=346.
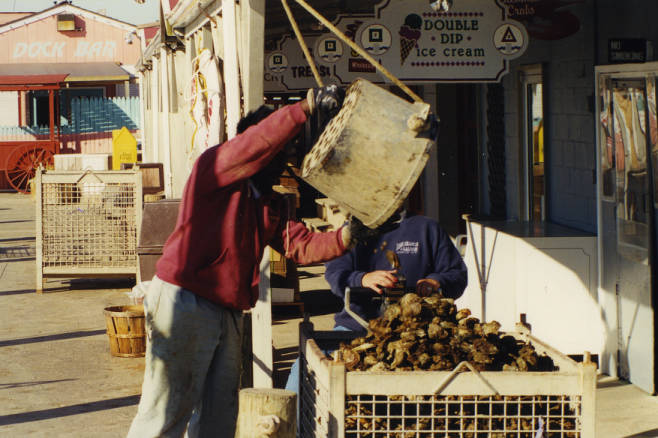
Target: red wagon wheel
x=23, y=162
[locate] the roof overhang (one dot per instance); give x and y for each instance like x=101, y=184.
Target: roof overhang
x=46, y=73
x=45, y=79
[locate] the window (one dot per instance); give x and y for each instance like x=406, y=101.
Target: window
x=532, y=95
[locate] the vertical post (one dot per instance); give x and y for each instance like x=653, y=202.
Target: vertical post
x=51, y=114
x=34, y=109
x=20, y=107
x=138, y=197
x=39, y=234
x=588, y=400
x=337, y=395
x=252, y=53
x=155, y=112
x=261, y=327
x=164, y=117
x=231, y=70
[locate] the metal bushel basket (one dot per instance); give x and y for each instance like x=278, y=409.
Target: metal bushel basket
x=370, y=155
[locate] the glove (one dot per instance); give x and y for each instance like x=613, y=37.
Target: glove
x=358, y=233
x=432, y=125
x=326, y=101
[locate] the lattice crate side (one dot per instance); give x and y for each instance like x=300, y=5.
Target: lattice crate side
x=322, y=387
x=88, y=222
x=466, y=404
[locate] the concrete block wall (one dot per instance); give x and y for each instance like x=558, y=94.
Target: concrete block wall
x=569, y=120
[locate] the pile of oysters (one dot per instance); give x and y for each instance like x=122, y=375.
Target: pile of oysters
x=429, y=333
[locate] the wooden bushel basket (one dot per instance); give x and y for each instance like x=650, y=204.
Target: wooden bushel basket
x=125, y=328
x=370, y=155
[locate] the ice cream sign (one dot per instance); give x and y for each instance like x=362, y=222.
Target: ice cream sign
x=472, y=42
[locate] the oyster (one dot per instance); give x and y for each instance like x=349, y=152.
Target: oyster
x=462, y=313
x=411, y=305
x=430, y=333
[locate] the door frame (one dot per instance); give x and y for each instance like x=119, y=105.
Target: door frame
x=606, y=75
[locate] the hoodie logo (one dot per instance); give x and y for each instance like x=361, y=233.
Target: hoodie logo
x=407, y=247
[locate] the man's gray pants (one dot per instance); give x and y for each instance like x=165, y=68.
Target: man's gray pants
x=192, y=370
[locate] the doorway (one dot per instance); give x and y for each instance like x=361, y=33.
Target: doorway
x=627, y=230
x=532, y=98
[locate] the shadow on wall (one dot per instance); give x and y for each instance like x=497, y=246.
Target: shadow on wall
x=552, y=281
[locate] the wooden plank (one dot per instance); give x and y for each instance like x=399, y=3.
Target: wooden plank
x=464, y=383
x=231, y=69
x=164, y=129
x=39, y=232
x=588, y=401
x=218, y=38
x=252, y=52
x=138, y=199
x=262, y=329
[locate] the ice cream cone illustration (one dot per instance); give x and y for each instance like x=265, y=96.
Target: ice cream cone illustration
x=409, y=35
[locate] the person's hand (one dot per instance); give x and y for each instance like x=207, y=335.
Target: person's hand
x=426, y=286
x=376, y=280
x=325, y=101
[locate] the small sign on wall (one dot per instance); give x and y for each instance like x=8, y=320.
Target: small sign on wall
x=622, y=50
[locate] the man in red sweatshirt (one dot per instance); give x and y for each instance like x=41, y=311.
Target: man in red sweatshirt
x=209, y=271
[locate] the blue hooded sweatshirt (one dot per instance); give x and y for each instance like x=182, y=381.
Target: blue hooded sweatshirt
x=424, y=250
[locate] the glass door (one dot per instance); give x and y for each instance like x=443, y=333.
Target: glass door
x=627, y=227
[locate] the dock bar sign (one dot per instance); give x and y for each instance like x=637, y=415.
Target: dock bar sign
x=472, y=42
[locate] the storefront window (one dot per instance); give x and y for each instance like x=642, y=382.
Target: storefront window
x=630, y=104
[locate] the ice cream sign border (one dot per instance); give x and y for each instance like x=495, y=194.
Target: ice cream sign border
x=473, y=42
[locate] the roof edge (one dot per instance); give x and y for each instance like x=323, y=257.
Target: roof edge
x=65, y=7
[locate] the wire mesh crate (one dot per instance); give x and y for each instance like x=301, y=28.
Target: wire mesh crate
x=461, y=403
x=87, y=223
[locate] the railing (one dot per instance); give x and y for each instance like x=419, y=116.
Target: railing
x=89, y=126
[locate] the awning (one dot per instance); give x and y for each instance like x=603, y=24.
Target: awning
x=46, y=73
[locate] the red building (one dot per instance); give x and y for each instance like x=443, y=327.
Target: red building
x=66, y=81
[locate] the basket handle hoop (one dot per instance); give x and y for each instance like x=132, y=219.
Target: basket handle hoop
x=346, y=40
x=450, y=377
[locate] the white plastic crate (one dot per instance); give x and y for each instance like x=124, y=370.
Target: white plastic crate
x=461, y=403
x=87, y=223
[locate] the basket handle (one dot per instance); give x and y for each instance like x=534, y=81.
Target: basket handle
x=347, y=41
x=450, y=377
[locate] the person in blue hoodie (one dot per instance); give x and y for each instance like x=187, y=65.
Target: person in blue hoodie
x=427, y=261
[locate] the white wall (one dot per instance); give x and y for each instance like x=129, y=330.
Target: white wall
x=569, y=118
x=8, y=108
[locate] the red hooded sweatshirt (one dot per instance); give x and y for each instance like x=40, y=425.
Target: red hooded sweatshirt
x=222, y=227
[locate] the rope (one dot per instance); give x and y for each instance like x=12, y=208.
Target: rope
x=347, y=41
x=300, y=38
